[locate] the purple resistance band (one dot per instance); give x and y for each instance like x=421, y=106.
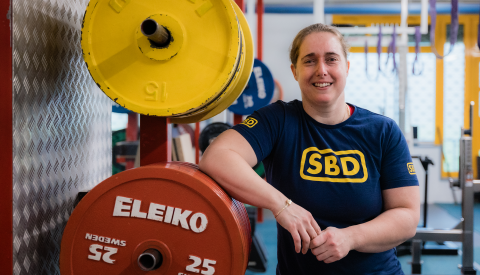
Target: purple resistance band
x=392, y=49
x=418, y=37
x=453, y=26
x=379, y=46
x=379, y=51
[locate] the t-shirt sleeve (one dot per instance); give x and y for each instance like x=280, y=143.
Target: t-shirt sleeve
x=262, y=129
x=397, y=167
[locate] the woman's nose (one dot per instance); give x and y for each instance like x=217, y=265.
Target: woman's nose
x=321, y=69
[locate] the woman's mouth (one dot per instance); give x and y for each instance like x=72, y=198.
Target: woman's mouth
x=322, y=85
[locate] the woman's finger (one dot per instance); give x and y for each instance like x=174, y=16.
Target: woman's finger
x=311, y=232
x=296, y=240
x=315, y=225
x=305, y=241
x=325, y=257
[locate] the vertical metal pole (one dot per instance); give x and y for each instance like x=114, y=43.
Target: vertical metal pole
x=237, y=119
x=425, y=204
x=155, y=140
x=402, y=85
x=197, y=146
x=260, y=11
x=131, y=135
x=402, y=73
x=241, y=4
x=416, y=250
x=466, y=182
x=6, y=139
x=319, y=11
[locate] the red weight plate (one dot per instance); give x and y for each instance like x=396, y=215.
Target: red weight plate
x=172, y=208
x=238, y=209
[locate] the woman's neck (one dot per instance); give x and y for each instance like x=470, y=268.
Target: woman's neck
x=329, y=114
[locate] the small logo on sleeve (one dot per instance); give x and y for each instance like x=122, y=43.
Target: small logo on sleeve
x=411, y=168
x=250, y=122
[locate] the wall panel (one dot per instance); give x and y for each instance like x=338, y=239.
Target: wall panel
x=61, y=128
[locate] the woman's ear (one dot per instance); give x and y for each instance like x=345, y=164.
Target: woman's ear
x=294, y=71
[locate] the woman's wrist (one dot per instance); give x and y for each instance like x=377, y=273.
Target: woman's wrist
x=288, y=202
x=353, y=236
x=278, y=203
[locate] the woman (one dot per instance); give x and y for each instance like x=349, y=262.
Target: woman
x=348, y=171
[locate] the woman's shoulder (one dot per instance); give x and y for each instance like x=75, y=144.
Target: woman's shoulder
x=281, y=108
x=372, y=117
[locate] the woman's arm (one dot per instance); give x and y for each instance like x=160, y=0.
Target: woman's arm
x=395, y=225
x=229, y=160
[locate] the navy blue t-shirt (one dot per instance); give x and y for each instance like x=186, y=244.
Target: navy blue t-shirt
x=337, y=172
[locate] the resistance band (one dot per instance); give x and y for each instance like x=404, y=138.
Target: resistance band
x=453, y=26
x=418, y=37
x=379, y=51
x=392, y=49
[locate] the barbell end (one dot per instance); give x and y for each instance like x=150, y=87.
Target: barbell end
x=155, y=32
x=150, y=260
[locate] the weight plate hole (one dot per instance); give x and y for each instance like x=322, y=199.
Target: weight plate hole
x=158, y=35
x=150, y=260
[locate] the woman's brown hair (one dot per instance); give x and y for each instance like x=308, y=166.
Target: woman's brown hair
x=297, y=42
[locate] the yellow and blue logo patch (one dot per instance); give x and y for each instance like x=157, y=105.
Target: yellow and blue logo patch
x=330, y=166
x=250, y=122
x=411, y=168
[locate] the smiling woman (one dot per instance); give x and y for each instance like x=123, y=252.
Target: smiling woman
x=338, y=177
x=320, y=65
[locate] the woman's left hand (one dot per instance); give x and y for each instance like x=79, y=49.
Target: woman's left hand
x=331, y=245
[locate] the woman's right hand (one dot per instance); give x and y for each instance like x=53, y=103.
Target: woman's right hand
x=301, y=224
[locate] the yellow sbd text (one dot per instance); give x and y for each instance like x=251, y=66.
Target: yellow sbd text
x=317, y=161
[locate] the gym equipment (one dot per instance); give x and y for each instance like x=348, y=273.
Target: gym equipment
x=464, y=231
x=257, y=261
x=188, y=73
x=117, y=136
x=186, y=60
x=219, y=106
x=125, y=150
x=119, y=109
x=258, y=93
x=168, y=218
x=210, y=132
x=440, y=248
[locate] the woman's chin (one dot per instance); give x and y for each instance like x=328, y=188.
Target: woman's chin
x=322, y=100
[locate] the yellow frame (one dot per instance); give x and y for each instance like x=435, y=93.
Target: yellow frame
x=472, y=59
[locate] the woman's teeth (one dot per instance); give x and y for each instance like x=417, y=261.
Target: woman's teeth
x=321, y=84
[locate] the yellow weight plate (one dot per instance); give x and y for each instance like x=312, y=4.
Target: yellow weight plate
x=188, y=74
x=237, y=90
x=191, y=117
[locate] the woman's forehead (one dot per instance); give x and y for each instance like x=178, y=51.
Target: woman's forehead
x=320, y=42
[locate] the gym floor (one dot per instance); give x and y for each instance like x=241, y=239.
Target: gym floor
x=440, y=216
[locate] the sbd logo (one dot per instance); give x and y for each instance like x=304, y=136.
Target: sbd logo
x=327, y=165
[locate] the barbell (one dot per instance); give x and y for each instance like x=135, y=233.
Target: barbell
x=184, y=59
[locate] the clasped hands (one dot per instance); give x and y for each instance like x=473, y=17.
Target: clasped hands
x=329, y=245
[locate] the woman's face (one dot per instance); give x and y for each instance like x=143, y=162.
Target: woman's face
x=321, y=69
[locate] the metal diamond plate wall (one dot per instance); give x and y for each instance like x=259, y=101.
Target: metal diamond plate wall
x=62, y=136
